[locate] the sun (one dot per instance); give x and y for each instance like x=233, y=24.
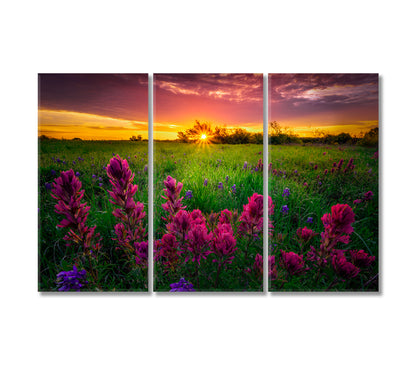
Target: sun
x=203, y=136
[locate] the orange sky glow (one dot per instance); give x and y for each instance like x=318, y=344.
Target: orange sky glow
x=332, y=103
x=93, y=106
x=230, y=100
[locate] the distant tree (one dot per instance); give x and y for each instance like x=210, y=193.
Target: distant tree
x=370, y=138
x=44, y=137
x=182, y=138
x=135, y=138
x=76, y=139
x=195, y=133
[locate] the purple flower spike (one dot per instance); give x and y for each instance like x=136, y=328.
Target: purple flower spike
x=182, y=286
x=188, y=195
x=71, y=280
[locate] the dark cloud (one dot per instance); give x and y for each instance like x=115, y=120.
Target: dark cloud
x=311, y=94
x=121, y=96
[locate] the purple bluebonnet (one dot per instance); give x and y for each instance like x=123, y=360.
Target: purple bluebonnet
x=309, y=220
x=48, y=186
x=77, y=174
x=188, y=195
x=71, y=280
x=205, y=182
x=145, y=168
x=245, y=165
x=286, y=192
x=220, y=186
x=182, y=286
x=226, y=178
x=284, y=209
x=53, y=172
x=233, y=188
x=94, y=176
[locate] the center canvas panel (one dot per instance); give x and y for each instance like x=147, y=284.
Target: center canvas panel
x=208, y=182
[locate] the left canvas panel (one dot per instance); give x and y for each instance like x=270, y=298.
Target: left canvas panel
x=93, y=182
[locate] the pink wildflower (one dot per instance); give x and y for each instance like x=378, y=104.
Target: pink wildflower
x=361, y=259
x=292, y=262
x=66, y=189
x=173, y=201
x=305, y=234
x=345, y=269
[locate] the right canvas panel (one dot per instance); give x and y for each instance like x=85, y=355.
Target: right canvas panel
x=323, y=182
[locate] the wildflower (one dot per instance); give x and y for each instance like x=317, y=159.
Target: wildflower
x=272, y=267
x=182, y=286
x=180, y=224
x=71, y=280
x=345, y=269
x=167, y=251
x=77, y=174
x=286, y=192
x=94, y=176
x=252, y=217
x=67, y=191
x=226, y=178
x=53, y=172
x=48, y=186
x=292, y=262
x=325, y=171
x=295, y=171
x=305, y=234
x=223, y=245
x=173, y=201
x=197, y=217
x=284, y=209
x=368, y=196
x=339, y=221
x=309, y=220
x=361, y=258
x=245, y=165
x=141, y=254
x=358, y=201
x=220, y=186
x=233, y=188
x=145, y=168
x=198, y=240
x=188, y=195
x=205, y=182
x=131, y=213
x=324, y=153
x=100, y=179
x=257, y=268
x=100, y=184
x=305, y=184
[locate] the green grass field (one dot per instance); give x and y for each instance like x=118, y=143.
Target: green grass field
x=298, y=168
x=297, y=165
x=88, y=158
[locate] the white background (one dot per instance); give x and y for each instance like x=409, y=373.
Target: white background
x=209, y=333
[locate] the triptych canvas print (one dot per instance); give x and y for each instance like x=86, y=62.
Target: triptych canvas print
x=212, y=229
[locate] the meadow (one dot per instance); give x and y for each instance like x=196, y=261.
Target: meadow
x=217, y=181
x=305, y=182
x=109, y=269
x=216, y=189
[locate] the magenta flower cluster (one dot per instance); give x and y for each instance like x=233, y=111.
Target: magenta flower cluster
x=196, y=239
x=130, y=232
x=346, y=264
x=66, y=189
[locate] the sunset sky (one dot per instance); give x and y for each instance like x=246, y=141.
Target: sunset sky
x=93, y=106
x=334, y=103
x=232, y=100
